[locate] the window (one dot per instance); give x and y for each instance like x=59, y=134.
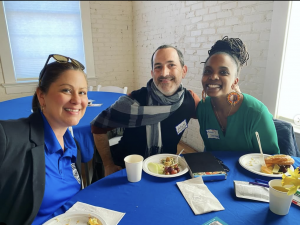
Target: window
x=35, y=29
x=289, y=95
x=281, y=89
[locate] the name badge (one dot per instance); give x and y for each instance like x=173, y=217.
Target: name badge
x=213, y=134
x=75, y=172
x=181, y=127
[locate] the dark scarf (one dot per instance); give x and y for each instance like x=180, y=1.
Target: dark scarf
x=127, y=112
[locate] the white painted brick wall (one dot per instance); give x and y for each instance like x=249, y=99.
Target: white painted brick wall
x=194, y=35
x=111, y=23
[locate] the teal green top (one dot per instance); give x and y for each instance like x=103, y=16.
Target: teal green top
x=252, y=116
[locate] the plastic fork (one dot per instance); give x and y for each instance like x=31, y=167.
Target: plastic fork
x=178, y=155
x=261, y=152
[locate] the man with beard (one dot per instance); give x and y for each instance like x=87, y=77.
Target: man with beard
x=154, y=117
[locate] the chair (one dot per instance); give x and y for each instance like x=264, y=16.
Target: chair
x=87, y=172
x=114, y=137
x=112, y=89
x=286, y=138
x=114, y=140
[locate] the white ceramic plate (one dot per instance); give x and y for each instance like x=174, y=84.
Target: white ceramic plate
x=157, y=159
x=252, y=163
x=73, y=218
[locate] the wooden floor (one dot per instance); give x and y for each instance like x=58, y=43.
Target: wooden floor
x=187, y=149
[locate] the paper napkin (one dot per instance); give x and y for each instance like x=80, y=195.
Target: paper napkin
x=109, y=216
x=198, y=196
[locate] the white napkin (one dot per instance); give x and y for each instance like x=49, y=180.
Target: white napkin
x=200, y=199
x=109, y=216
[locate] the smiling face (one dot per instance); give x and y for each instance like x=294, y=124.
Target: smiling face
x=219, y=75
x=167, y=71
x=66, y=100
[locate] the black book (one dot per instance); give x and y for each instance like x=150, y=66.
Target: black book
x=206, y=165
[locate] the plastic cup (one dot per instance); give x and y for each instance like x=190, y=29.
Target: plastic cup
x=280, y=202
x=134, y=165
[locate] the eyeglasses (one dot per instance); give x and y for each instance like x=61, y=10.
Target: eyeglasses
x=60, y=59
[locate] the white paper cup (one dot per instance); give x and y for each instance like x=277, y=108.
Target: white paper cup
x=280, y=202
x=134, y=165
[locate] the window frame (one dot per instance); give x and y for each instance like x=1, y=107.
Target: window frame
x=275, y=60
x=11, y=85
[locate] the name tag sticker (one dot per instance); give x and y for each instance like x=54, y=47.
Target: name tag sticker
x=212, y=134
x=181, y=127
x=75, y=172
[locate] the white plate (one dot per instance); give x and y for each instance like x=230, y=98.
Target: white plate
x=157, y=159
x=73, y=218
x=252, y=163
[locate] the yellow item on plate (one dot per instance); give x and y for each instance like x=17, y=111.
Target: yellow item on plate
x=94, y=221
x=156, y=168
x=265, y=169
x=153, y=167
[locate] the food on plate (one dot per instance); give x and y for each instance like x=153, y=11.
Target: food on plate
x=276, y=169
x=266, y=169
x=168, y=161
x=166, y=167
x=170, y=166
x=156, y=168
x=277, y=164
x=93, y=221
x=280, y=160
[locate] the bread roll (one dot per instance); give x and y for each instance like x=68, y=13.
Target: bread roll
x=280, y=160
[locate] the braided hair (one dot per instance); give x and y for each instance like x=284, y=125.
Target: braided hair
x=233, y=47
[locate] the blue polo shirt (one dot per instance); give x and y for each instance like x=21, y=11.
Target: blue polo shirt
x=62, y=179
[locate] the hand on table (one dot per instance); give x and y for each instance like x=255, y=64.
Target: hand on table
x=112, y=168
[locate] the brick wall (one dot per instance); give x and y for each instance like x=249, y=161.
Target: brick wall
x=194, y=26
x=112, y=43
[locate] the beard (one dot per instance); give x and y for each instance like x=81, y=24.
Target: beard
x=169, y=88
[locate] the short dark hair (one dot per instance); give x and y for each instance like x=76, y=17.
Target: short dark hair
x=50, y=75
x=233, y=47
x=180, y=55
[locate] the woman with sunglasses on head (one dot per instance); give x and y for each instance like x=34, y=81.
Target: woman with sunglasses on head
x=229, y=119
x=39, y=159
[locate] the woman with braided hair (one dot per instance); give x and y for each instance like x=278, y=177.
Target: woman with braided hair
x=229, y=119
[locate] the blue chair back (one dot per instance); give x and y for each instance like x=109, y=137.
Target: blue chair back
x=286, y=138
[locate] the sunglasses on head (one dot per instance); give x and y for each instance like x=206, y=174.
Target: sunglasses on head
x=60, y=59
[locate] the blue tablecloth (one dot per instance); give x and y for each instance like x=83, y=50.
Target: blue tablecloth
x=21, y=107
x=156, y=200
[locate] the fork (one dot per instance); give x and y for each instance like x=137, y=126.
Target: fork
x=178, y=156
x=261, y=152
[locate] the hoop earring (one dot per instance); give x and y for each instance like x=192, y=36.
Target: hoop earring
x=42, y=108
x=203, y=95
x=233, y=98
